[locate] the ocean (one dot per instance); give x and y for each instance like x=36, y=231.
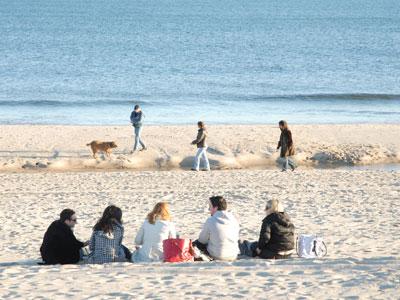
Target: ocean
x=224, y=62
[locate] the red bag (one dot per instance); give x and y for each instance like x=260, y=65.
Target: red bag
x=178, y=250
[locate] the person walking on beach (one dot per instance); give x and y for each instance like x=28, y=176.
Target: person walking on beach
x=60, y=245
x=156, y=228
x=200, y=142
x=286, y=145
x=220, y=234
x=106, y=242
x=137, y=122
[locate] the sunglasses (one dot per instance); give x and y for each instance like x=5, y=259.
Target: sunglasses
x=74, y=220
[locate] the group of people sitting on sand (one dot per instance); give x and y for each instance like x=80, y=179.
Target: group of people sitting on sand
x=285, y=143
x=218, y=239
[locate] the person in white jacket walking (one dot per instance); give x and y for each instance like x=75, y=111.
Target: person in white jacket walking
x=220, y=234
x=156, y=228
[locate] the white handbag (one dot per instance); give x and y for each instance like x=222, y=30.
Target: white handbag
x=310, y=246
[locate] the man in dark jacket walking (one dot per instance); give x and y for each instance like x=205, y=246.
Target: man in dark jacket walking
x=201, y=144
x=286, y=145
x=137, y=122
x=60, y=245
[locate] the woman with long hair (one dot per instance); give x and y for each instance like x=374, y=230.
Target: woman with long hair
x=156, y=228
x=201, y=144
x=286, y=145
x=106, y=241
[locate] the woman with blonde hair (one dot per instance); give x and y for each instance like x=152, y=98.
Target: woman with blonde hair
x=276, y=235
x=156, y=228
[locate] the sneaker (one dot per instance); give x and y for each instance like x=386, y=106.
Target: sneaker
x=192, y=169
x=205, y=169
x=143, y=149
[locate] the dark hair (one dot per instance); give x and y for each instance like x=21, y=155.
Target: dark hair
x=200, y=124
x=136, y=107
x=283, y=123
x=218, y=201
x=66, y=214
x=111, y=215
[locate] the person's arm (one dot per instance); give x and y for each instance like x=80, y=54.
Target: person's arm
x=75, y=242
x=140, y=236
x=92, y=242
x=289, y=139
x=122, y=235
x=172, y=231
x=199, y=138
x=265, y=235
x=204, y=236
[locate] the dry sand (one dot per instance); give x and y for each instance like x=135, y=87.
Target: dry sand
x=357, y=213
x=64, y=148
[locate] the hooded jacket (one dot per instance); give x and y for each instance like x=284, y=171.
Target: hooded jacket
x=60, y=245
x=277, y=233
x=221, y=234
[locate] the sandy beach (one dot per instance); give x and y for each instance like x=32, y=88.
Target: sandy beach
x=64, y=148
x=356, y=212
x=48, y=168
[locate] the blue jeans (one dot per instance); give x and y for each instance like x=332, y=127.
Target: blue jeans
x=289, y=162
x=201, y=153
x=138, y=140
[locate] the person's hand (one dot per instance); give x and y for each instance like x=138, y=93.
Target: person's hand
x=258, y=251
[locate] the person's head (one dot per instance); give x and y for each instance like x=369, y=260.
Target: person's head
x=111, y=215
x=201, y=124
x=68, y=217
x=216, y=203
x=137, y=107
x=273, y=206
x=283, y=125
x=159, y=212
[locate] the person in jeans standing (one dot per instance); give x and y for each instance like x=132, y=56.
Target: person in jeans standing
x=286, y=145
x=200, y=142
x=136, y=120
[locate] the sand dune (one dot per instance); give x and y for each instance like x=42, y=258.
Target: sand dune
x=230, y=147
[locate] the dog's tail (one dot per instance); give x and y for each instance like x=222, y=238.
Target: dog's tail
x=89, y=144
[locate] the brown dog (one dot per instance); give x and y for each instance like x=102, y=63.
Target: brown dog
x=105, y=147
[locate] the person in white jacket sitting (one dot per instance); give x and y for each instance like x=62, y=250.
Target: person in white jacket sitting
x=156, y=228
x=220, y=234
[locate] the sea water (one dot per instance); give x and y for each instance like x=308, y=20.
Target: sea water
x=247, y=62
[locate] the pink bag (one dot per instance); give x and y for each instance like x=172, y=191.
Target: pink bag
x=178, y=250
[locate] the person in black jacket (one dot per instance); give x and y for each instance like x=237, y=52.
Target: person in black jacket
x=137, y=123
x=201, y=144
x=286, y=145
x=60, y=245
x=277, y=233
